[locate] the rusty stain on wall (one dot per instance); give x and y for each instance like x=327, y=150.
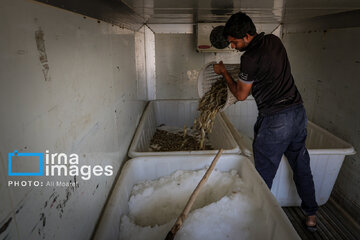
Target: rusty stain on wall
x=6, y=237
x=40, y=44
x=56, y=201
x=5, y=225
x=21, y=52
x=79, y=125
x=41, y=228
x=62, y=204
x=18, y=210
x=95, y=189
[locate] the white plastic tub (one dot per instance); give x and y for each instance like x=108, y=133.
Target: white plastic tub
x=327, y=153
x=178, y=113
x=149, y=168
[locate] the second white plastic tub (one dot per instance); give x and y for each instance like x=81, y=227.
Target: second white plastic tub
x=327, y=153
x=150, y=168
x=177, y=113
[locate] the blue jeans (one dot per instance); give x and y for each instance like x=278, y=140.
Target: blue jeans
x=285, y=133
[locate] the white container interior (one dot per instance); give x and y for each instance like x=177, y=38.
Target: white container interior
x=150, y=168
x=178, y=113
x=327, y=153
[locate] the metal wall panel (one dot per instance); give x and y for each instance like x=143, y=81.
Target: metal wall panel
x=325, y=65
x=68, y=85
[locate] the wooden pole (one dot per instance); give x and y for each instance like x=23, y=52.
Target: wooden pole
x=180, y=220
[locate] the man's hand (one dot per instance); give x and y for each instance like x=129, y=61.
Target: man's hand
x=219, y=68
x=239, y=89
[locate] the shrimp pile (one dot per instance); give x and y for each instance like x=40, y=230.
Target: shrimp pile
x=209, y=105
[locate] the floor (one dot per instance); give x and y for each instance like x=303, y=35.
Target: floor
x=332, y=223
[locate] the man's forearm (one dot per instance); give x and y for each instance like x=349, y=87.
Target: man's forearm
x=230, y=82
x=239, y=89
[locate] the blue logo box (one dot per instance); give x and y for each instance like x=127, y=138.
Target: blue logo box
x=15, y=153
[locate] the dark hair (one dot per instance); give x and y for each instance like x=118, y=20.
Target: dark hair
x=239, y=25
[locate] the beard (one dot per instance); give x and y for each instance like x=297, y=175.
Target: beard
x=241, y=49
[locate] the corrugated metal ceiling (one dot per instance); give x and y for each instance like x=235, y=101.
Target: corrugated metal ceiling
x=262, y=11
x=134, y=13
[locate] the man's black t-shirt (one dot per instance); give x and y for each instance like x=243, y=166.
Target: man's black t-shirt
x=266, y=65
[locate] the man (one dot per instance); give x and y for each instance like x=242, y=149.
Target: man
x=281, y=124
